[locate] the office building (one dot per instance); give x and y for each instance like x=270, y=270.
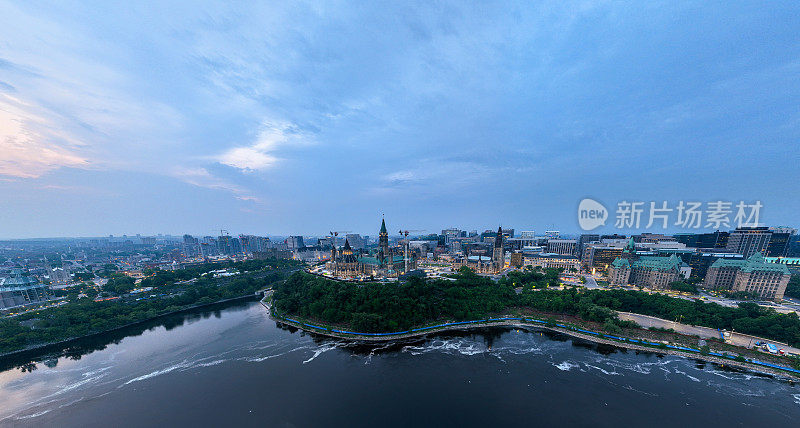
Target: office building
x=562, y=246
x=295, y=242
x=357, y=242
x=749, y=240
x=754, y=276
x=597, y=257
x=779, y=241
x=649, y=272
x=713, y=240
x=568, y=263
x=584, y=239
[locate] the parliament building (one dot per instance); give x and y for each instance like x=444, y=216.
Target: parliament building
x=385, y=262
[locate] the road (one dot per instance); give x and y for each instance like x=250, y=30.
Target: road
x=590, y=282
x=737, y=339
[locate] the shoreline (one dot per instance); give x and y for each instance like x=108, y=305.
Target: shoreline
x=40, y=348
x=787, y=373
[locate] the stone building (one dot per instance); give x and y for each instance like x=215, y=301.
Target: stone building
x=498, y=254
x=648, y=272
x=385, y=263
x=753, y=275
x=554, y=261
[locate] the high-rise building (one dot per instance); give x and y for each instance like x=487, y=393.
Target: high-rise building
x=597, y=257
x=711, y=240
x=583, y=240
x=236, y=246
x=191, y=246
x=779, y=241
x=224, y=244
x=749, y=240
x=356, y=241
x=295, y=242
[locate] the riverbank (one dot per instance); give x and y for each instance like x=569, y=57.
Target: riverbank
x=45, y=348
x=529, y=323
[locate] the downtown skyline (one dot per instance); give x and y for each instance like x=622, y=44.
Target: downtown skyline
x=295, y=119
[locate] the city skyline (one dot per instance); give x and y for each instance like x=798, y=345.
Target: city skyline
x=294, y=119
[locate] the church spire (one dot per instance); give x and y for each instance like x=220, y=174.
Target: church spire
x=498, y=240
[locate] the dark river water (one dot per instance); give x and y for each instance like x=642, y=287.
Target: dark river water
x=235, y=367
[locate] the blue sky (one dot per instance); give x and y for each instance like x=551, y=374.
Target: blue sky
x=169, y=117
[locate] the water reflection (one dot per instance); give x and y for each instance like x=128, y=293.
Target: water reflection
x=27, y=361
x=234, y=366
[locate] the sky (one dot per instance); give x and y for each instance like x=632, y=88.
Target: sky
x=303, y=117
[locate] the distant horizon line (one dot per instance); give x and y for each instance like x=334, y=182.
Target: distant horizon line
x=626, y=232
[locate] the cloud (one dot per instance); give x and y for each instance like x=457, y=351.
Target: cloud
x=76, y=102
x=432, y=176
x=201, y=177
x=261, y=154
x=29, y=147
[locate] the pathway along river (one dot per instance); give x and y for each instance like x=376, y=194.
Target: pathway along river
x=233, y=366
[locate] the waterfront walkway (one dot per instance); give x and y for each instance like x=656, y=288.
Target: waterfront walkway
x=624, y=342
x=738, y=339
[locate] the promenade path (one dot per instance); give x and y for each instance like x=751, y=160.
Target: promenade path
x=738, y=339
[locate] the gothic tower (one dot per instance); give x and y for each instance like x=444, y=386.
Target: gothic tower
x=498, y=258
x=383, y=245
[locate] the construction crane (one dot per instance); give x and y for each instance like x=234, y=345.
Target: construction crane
x=404, y=234
x=333, y=236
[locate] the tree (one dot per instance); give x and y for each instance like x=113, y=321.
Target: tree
x=793, y=289
x=683, y=287
x=610, y=327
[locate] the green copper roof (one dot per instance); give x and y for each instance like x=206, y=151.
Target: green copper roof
x=756, y=262
x=620, y=263
x=658, y=263
x=383, y=226
x=367, y=260
x=631, y=246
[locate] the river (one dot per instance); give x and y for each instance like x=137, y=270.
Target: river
x=234, y=367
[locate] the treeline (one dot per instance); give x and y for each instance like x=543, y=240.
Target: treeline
x=382, y=307
x=161, y=278
x=388, y=307
x=86, y=316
